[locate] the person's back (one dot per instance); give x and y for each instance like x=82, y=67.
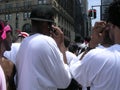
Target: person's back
x=40, y=57
x=41, y=65
x=106, y=68
x=100, y=67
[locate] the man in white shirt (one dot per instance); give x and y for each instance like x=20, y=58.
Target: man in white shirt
x=100, y=67
x=41, y=59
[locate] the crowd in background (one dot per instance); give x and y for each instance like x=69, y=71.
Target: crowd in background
x=48, y=60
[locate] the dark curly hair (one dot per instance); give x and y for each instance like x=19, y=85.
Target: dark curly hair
x=114, y=13
x=2, y=25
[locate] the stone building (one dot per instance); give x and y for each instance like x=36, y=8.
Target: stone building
x=17, y=13
x=81, y=19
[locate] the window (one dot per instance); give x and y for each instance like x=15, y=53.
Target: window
x=26, y=15
x=27, y=28
x=29, y=14
x=17, y=15
x=8, y=17
x=17, y=4
x=25, y=3
x=8, y=6
x=40, y=1
x=44, y=1
x=80, y=1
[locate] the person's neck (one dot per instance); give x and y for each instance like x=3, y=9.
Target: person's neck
x=1, y=53
x=117, y=42
x=2, y=49
x=117, y=37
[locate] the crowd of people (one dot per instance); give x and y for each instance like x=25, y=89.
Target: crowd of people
x=48, y=60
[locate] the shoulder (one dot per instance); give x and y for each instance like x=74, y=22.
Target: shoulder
x=9, y=71
x=38, y=42
x=96, y=55
x=7, y=62
x=96, y=51
x=8, y=66
x=70, y=53
x=15, y=45
x=39, y=39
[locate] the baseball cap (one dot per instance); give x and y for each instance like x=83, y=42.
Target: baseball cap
x=23, y=34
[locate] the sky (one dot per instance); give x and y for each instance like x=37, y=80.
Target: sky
x=94, y=3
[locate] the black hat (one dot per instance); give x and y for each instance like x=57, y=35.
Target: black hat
x=43, y=13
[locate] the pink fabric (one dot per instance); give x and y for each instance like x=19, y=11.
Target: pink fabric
x=2, y=80
x=6, y=29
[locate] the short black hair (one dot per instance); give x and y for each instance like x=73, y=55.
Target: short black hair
x=73, y=47
x=87, y=38
x=114, y=13
x=2, y=24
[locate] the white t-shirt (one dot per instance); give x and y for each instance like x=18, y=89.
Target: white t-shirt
x=71, y=57
x=40, y=65
x=99, y=69
x=11, y=55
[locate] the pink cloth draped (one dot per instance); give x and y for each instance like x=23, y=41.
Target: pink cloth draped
x=2, y=80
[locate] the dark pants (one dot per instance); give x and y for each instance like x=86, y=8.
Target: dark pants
x=73, y=86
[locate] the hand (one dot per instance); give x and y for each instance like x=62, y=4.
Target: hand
x=58, y=36
x=97, y=34
x=99, y=26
